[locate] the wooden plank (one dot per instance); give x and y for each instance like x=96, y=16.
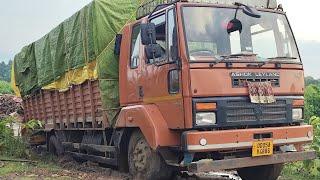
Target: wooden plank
x=26, y=110
x=82, y=105
x=43, y=107
x=31, y=108
x=38, y=116
x=52, y=108
x=92, y=103
x=66, y=109
x=59, y=110
x=75, y=120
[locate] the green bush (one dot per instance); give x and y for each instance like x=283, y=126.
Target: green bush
x=5, y=88
x=10, y=145
x=312, y=101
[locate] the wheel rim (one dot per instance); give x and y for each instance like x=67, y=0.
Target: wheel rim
x=140, y=155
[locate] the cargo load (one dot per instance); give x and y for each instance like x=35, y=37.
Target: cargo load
x=80, y=48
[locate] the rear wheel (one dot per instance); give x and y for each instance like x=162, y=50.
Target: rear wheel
x=55, y=146
x=145, y=163
x=267, y=172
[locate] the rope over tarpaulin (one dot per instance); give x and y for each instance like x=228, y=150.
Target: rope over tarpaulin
x=79, y=49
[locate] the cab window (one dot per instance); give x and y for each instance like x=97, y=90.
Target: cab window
x=172, y=35
x=160, y=22
x=135, y=47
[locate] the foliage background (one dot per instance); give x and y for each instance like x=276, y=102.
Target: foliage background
x=5, y=70
x=309, y=170
x=5, y=75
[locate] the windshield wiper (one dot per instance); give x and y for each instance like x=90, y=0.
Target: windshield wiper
x=260, y=64
x=257, y=64
x=282, y=57
x=222, y=58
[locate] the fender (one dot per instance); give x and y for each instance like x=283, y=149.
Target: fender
x=150, y=121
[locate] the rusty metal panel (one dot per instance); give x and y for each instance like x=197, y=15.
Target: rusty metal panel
x=79, y=107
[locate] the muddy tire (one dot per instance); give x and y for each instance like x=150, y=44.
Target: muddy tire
x=268, y=172
x=145, y=163
x=55, y=146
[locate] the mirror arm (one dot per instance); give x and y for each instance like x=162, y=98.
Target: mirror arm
x=153, y=53
x=150, y=36
x=235, y=15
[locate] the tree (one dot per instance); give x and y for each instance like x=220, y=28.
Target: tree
x=312, y=101
x=310, y=80
x=5, y=71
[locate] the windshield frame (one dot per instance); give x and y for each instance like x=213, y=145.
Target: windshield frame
x=225, y=6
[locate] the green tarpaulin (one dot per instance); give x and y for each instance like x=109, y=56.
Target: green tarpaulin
x=86, y=37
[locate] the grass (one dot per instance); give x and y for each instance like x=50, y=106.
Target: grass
x=13, y=167
x=5, y=88
x=297, y=171
x=9, y=145
x=46, y=163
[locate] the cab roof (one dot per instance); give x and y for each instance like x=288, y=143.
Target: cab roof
x=154, y=5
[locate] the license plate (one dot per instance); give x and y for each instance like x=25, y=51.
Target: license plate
x=262, y=148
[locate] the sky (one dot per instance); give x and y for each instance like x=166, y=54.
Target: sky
x=25, y=21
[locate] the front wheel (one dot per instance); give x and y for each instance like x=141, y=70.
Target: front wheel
x=145, y=163
x=267, y=172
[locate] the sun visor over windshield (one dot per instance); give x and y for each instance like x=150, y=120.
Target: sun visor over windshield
x=270, y=4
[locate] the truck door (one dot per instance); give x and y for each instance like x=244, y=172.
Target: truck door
x=161, y=77
x=132, y=84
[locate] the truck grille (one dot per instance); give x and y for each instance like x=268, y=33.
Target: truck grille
x=245, y=111
x=237, y=83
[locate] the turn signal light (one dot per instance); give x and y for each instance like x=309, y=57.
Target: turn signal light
x=206, y=106
x=298, y=103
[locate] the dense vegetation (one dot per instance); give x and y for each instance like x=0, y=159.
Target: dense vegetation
x=9, y=145
x=309, y=169
x=5, y=76
x=5, y=88
x=5, y=71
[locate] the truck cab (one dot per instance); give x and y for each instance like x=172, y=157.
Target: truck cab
x=201, y=86
x=214, y=86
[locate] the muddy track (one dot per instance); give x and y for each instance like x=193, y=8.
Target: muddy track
x=71, y=169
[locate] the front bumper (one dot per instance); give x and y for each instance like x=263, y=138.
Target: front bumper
x=243, y=138
x=228, y=164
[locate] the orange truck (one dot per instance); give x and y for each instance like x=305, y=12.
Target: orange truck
x=203, y=86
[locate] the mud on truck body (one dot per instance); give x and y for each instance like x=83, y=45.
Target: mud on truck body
x=203, y=86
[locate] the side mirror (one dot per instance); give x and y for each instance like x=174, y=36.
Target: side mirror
x=153, y=51
x=234, y=25
x=117, y=44
x=148, y=33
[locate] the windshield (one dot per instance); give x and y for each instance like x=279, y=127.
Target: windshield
x=268, y=37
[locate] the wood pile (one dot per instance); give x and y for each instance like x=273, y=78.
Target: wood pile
x=10, y=105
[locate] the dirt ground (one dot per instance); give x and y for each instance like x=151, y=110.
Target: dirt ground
x=63, y=168
x=67, y=168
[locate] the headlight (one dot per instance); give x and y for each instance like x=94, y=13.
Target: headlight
x=205, y=118
x=297, y=113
